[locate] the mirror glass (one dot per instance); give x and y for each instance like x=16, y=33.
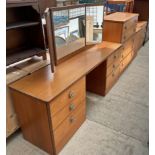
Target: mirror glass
x=94, y=23
x=69, y=30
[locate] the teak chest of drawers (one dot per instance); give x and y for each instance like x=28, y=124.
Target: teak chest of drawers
x=119, y=26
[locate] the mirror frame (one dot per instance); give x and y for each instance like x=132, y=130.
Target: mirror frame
x=51, y=31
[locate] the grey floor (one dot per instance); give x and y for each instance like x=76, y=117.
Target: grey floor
x=117, y=124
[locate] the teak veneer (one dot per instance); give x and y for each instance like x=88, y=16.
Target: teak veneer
x=55, y=103
x=45, y=86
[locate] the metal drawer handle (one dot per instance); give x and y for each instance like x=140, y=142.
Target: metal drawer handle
x=72, y=119
x=71, y=106
x=71, y=94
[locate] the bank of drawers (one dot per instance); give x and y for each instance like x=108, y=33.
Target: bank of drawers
x=139, y=36
x=129, y=28
x=68, y=113
x=124, y=63
x=117, y=62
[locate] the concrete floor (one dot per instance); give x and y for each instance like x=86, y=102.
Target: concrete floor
x=117, y=124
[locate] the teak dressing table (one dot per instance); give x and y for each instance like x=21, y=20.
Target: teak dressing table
x=51, y=107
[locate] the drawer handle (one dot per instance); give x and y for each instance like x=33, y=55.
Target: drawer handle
x=71, y=94
x=72, y=119
x=71, y=106
x=114, y=66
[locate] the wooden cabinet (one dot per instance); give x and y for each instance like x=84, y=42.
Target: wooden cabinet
x=119, y=26
x=23, y=20
x=55, y=121
x=139, y=35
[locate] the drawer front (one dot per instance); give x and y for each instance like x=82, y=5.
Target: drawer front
x=125, y=62
x=139, y=38
x=127, y=34
x=127, y=48
x=112, y=67
x=129, y=28
x=69, y=126
x=130, y=23
x=66, y=111
x=110, y=80
x=74, y=94
x=114, y=58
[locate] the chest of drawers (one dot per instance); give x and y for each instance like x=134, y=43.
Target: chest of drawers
x=119, y=26
x=139, y=35
x=50, y=125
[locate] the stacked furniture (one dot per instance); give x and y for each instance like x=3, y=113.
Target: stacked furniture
x=55, y=103
x=122, y=28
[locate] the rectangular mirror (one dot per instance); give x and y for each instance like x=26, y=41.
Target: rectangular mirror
x=69, y=30
x=94, y=23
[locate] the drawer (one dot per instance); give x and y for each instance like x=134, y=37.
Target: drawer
x=74, y=94
x=128, y=33
x=130, y=24
x=125, y=62
x=110, y=80
x=127, y=48
x=66, y=111
x=69, y=126
x=112, y=67
x=114, y=57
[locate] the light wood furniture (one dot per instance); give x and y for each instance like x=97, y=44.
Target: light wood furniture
x=55, y=103
x=119, y=26
x=139, y=35
x=129, y=4
x=107, y=74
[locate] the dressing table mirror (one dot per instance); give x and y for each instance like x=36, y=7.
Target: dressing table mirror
x=94, y=23
x=67, y=30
